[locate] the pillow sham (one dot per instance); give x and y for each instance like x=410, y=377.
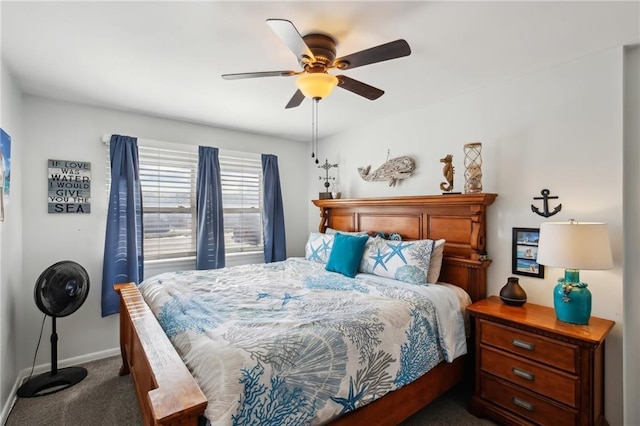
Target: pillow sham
x=318, y=247
x=435, y=265
x=346, y=254
x=406, y=261
x=331, y=231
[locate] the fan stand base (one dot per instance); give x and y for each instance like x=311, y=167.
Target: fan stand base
x=48, y=383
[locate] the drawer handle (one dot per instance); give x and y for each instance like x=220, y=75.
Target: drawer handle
x=523, y=404
x=524, y=374
x=524, y=345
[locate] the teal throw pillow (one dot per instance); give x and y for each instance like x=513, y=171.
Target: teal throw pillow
x=346, y=254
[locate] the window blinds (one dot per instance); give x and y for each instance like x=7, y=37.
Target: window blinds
x=241, y=179
x=168, y=201
x=168, y=178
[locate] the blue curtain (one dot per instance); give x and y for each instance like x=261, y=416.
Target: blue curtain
x=210, y=236
x=275, y=247
x=123, y=253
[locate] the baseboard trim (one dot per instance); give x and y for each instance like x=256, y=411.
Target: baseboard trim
x=43, y=368
x=6, y=409
x=69, y=362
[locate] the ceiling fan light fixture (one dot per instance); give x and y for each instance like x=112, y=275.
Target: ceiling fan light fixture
x=316, y=85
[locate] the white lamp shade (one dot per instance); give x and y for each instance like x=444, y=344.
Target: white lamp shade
x=316, y=85
x=574, y=245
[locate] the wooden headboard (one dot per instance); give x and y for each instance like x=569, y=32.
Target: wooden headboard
x=459, y=219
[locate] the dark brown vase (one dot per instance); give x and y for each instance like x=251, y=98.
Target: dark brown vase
x=512, y=293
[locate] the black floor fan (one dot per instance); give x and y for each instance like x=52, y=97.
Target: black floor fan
x=60, y=290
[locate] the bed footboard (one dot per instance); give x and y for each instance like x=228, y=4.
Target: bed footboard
x=397, y=406
x=167, y=393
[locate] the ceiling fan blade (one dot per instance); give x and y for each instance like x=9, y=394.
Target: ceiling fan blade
x=291, y=37
x=241, y=75
x=384, y=52
x=296, y=100
x=359, y=88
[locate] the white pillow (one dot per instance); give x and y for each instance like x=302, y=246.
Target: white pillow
x=406, y=261
x=436, y=262
x=318, y=247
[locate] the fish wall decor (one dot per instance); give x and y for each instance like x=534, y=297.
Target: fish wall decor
x=392, y=170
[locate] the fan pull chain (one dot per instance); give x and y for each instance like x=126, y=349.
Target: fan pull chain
x=313, y=126
x=316, y=103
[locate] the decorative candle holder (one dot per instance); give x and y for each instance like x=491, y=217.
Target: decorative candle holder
x=473, y=167
x=335, y=191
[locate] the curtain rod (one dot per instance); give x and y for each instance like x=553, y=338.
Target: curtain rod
x=106, y=138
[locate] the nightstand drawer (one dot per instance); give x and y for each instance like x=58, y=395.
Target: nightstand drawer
x=544, y=380
x=524, y=403
x=532, y=369
x=538, y=348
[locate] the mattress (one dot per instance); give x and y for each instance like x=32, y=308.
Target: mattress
x=291, y=343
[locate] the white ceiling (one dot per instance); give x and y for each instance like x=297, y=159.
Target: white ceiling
x=166, y=58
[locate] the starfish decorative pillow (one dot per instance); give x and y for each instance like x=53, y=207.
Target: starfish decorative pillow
x=318, y=247
x=406, y=261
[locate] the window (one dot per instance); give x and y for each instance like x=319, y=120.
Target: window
x=168, y=201
x=168, y=177
x=241, y=179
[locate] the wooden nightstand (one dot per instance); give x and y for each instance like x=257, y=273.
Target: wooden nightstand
x=531, y=368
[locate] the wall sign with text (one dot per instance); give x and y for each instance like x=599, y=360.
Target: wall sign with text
x=69, y=186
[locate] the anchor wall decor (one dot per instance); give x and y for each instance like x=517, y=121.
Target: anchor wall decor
x=545, y=200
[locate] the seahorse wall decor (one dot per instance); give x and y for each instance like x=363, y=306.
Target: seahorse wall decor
x=392, y=170
x=447, y=171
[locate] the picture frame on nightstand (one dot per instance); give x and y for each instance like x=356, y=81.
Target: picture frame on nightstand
x=525, y=253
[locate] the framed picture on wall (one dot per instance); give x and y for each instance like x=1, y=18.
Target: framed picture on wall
x=525, y=253
x=5, y=170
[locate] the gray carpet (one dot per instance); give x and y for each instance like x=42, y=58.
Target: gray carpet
x=105, y=399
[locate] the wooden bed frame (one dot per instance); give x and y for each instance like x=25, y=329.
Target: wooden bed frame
x=168, y=394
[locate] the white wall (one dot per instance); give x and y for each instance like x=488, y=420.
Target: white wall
x=559, y=128
x=11, y=282
x=58, y=130
x=631, y=235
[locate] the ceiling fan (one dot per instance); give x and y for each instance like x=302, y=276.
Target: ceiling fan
x=317, y=54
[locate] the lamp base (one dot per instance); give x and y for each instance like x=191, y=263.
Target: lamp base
x=572, y=302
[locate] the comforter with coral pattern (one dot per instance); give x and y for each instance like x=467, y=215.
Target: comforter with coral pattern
x=289, y=343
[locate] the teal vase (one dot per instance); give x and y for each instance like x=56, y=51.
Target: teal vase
x=572, y=302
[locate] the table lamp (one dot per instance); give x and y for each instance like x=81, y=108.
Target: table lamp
x=574, y=245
